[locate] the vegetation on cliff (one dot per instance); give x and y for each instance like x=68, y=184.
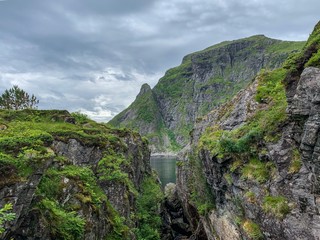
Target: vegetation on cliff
x=253, y=166
x=205, y=79
x=73, y=164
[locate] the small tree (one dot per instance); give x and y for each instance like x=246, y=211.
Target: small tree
x=16, y=99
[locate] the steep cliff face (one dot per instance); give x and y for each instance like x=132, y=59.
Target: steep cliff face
x=251, y=170
x=204, y=79
x=68, y=177
x=144, y=115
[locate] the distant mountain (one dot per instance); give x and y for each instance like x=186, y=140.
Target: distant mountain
x=167, y=113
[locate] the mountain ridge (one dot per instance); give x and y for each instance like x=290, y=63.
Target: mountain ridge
x=204, y=79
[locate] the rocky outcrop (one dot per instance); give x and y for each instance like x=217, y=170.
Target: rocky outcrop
x=77, y=184
x=260, y=158
x=204, y=79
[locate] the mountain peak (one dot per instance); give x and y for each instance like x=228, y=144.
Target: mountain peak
x=144, y=89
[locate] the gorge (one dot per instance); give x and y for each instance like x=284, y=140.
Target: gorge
x=244, y=116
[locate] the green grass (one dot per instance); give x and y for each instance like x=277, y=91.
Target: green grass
x=296, y=162
x=252, y=229
x=308, y=57
x=25, y=146
x=250, y=196
x=276, y=205
x=314, y=61
x=257, y=171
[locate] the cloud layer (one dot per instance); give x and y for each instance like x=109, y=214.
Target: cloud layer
x=94, y=55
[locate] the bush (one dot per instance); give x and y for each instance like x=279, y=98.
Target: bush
x=80, y=117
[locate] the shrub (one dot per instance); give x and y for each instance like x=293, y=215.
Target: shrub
x=80, y=117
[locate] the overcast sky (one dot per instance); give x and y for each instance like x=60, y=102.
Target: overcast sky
x=93, y=55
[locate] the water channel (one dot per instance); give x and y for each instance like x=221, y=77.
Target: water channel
x=166, y=168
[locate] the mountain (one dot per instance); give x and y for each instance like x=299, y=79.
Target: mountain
x=167, y=113
x=251, y=170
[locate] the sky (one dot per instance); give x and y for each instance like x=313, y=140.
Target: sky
x=93, y=56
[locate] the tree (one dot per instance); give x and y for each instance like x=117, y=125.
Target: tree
x=16, y=99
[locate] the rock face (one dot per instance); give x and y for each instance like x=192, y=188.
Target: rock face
x=259, y=154
x=204, y=79
x=67, y=181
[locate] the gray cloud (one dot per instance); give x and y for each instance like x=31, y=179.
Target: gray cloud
x=94, y=55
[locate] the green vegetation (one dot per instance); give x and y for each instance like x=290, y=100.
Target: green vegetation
x=286, y=47
x=270, y=86
x=26, y=138
x=252, y=230
x=62, y=224
x=52, y=183
x=228, y=178
x=276, y=205
x=296, y=162
x=144, y=109
x=15, y=98
x=207, y=78
x=6, y=215
x=80, y=117
x=201, y=195
x=250, y=196
x=148, y=210
x=256, y=170
x=110, y=168
x=243, y=144
x=308, y=57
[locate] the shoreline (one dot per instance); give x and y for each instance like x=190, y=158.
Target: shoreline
x=164, y=154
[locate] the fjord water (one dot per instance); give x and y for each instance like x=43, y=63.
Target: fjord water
x=166, y=168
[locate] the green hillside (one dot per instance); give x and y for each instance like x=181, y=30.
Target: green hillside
x=208, y=78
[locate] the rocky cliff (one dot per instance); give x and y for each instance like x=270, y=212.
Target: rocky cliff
x=167, y=113
x=68, y=177
x=251, y=170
